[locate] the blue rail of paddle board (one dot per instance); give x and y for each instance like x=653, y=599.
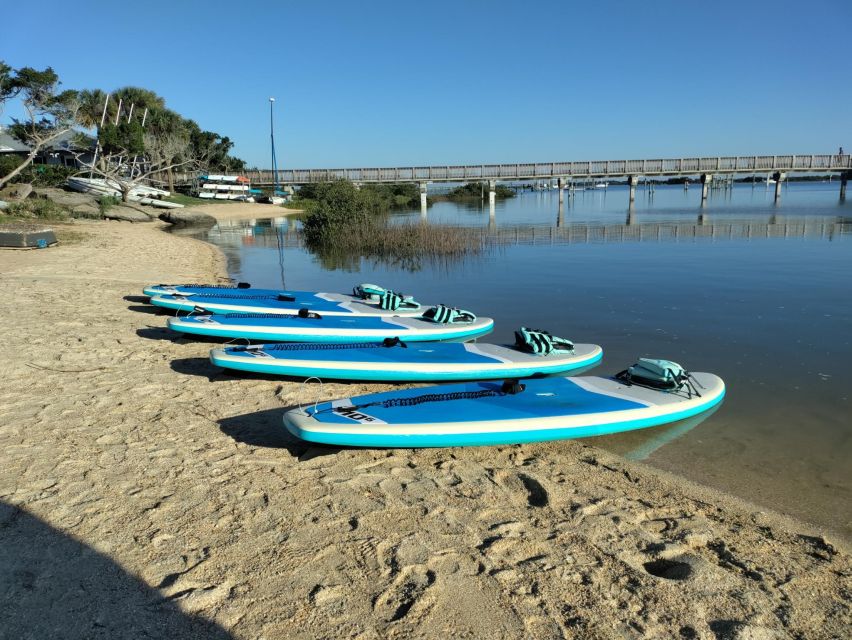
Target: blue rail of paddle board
x=291, y=333
x=395, y=375
x=310, y=300
x=157, y=290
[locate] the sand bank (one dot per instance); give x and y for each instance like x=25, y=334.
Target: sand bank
x=145, y=493
x=243, y=210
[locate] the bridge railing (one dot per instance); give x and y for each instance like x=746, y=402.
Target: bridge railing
x=549, y=170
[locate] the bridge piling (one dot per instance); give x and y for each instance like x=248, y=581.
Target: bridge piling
x=423, y=199
x=779, y=177
x=706, y=180
x=492, y=194
x=843, y=178
x=559, y=185
x=632, y=181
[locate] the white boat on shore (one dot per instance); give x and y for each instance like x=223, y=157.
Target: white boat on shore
x=140, y=193
x=221, y=187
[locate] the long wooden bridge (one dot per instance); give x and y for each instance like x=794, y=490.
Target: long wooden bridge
x=566, y=170
x=564, y=173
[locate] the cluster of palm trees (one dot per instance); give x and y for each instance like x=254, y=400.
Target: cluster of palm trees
x=137, y=138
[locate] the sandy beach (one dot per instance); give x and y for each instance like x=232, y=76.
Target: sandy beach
x=242, y=210
x=145, y=493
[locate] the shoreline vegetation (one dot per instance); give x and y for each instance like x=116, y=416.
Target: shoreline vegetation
x=124, y=446
x=344, y=224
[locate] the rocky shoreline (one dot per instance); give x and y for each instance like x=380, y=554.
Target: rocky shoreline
x=145, y=492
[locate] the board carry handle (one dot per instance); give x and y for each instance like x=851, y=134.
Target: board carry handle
x=302, y=391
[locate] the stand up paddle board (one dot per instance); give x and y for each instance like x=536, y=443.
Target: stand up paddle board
x=366, y=299
x=307, y=327
x=395, y=361
x=491, y=413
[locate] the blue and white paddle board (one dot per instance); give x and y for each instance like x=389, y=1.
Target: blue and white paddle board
x=400, y=362
x=284, y=302
x=481, y=413
x=193, y=289
x=353, y=328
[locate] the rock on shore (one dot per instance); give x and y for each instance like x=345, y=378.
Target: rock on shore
x=185, y=217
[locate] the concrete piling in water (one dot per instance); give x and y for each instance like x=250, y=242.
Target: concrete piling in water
x=779, y=177
x=632, y=181
x=706, y=180
x=422, y=199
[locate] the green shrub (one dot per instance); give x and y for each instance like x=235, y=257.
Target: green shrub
x=39, y=175
x=477, y=189
x=50, y=175
x=339, y=205
x=105, y=203
x=37, y=208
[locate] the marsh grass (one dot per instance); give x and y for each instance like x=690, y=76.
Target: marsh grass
x=344, y=224
x=409, y=245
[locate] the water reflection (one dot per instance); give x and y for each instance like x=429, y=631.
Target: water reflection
x=756, y=292
x=270, y=233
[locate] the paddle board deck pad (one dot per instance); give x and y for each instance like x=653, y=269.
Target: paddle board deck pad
x=398, y=362
x=283, y=302
x=491, y=413
x=326, y=329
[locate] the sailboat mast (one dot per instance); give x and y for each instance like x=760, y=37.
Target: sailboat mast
x=272, y=140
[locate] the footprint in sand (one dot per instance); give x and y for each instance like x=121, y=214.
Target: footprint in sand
x=398, y=599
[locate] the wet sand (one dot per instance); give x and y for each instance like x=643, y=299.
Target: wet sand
x=145, y=492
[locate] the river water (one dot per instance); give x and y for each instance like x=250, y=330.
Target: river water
x=756, y=292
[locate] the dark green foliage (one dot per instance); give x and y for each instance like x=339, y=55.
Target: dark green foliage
x=105, y=203
x=345, y=224
x=48, y=175
x=38, y=175
x=477, y=189
x=381, y=198
x=125, y=138
x=338, y=206
x=8, y=88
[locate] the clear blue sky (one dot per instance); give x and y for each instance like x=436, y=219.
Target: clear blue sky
x=417, y=83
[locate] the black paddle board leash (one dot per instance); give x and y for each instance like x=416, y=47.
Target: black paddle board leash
x=309, y=346
x=509, y=387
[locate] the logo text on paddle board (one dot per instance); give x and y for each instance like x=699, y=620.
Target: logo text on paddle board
x=353, y=414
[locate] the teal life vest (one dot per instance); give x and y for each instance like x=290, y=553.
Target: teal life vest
x=541, y=342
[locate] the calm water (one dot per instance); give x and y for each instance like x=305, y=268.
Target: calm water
x=757, y=293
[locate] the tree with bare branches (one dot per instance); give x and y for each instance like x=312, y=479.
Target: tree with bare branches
x=50, y=113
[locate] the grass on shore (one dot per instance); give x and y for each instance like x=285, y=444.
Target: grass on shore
x=35, y=209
